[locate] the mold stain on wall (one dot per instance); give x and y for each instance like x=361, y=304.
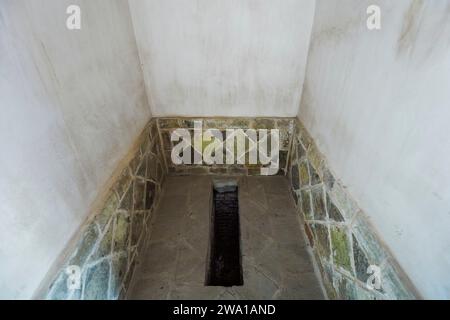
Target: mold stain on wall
x=411, y=27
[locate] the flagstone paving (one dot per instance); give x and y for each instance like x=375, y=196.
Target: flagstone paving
x=275, y=259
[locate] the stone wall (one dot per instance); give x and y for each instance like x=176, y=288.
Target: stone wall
x=343, y=241
x=167, y=125
x=109, y=243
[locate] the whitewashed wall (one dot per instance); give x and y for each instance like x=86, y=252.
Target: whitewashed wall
x=378, y=104
x=223, y=58
x=71, y=104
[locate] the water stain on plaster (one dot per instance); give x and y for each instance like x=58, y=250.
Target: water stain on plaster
x=423, y=29
x=411, y=26
x=334, y=32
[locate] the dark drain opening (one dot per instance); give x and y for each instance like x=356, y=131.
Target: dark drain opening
x=225, y=267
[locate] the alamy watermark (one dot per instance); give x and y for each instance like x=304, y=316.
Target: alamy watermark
x=73, y=277
x=73, y=21
x=236, y=146
x=373, y=282
x=374, y=20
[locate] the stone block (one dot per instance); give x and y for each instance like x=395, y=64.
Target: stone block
x=121, y=232
x=139, y=194
x=168, y=123
x=96, y=281
x=321, y=237
x=126, y=203
x=333, y=211
x=123, y=182
x=85, y=246
x=318, y=202
x=306, y=204
x=315, y=179
x=263, y=123
x=361, y=261
x=367, y=240
x=304, y=173
x=301, y=151
x=341, y=247
x=391, y=283
x=167, y=143
x=345, y=287
x=110, y=207
x=105, y=245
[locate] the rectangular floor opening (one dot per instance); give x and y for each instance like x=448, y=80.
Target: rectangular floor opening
x=225, y=267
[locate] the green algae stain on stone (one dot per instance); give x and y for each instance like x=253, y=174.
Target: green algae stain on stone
x=306, y=204
x=318, y=203
x=105, y=244
x=108, y=211
x=304, y=173
x=341, y=248
x=121, y=232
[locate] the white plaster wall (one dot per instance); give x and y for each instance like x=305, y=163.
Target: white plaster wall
x=71, y=104
x=223, y=58
x=378, y=104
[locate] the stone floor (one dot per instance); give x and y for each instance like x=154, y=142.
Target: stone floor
x=275, y=260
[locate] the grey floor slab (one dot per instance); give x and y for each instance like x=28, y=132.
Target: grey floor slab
x=275, y=260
